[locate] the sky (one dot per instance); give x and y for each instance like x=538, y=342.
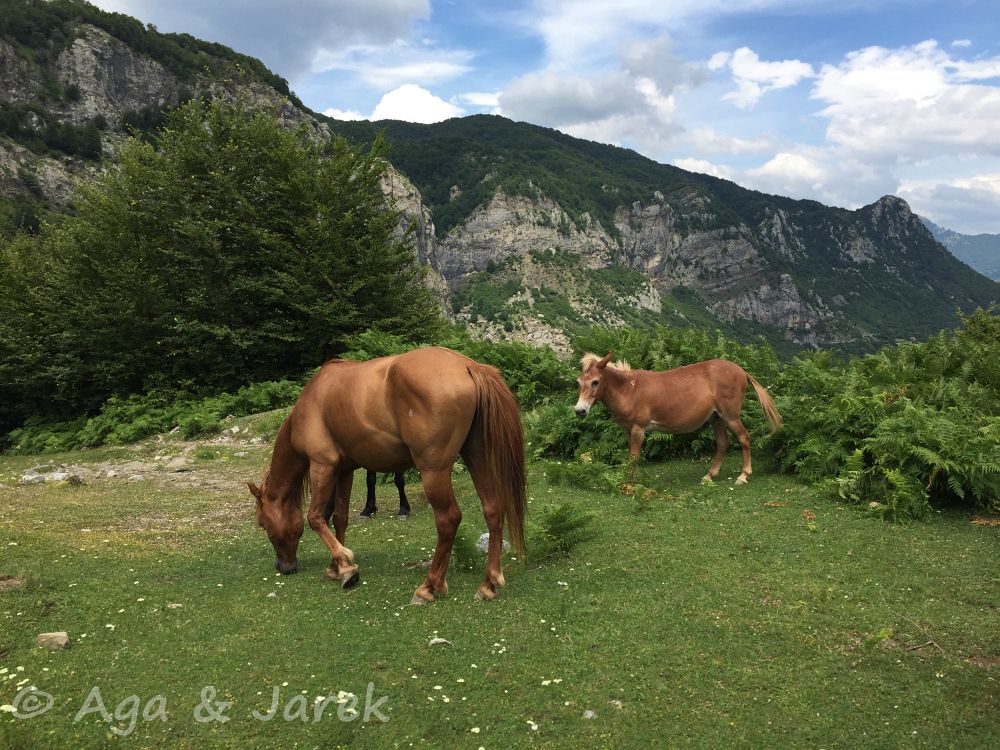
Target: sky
x=841, y=102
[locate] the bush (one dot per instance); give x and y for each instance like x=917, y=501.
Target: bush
x=558, y=531
x=899, y=430
x=122, y=421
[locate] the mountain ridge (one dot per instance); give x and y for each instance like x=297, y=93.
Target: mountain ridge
x=793, y=268
x=572, y=232
x=979, y=251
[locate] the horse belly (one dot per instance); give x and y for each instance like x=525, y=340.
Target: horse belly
x=386, y=455
x=680, y=421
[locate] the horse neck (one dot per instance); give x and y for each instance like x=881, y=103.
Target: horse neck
x=617, y=391
x=288, y=466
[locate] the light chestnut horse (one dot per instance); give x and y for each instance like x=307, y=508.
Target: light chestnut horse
x=676, y=401
x=420, y=409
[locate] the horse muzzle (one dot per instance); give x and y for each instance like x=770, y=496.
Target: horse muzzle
x=286, y=569
x=581, y=410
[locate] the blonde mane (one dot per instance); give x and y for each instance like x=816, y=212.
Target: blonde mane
x=590, y=358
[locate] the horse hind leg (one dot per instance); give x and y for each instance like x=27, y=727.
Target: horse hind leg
x=494, y=578
x=404, y=504
x=721, y=448
x=447, y=517
x=370, y=507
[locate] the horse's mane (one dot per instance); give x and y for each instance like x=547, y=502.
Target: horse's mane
x=590, y=358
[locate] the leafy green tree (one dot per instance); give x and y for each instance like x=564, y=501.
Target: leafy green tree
x=228, y=251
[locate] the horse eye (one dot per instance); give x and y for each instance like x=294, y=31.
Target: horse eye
x=593, y=384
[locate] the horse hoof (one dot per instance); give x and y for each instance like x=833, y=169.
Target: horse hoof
x=402, y=516
x=485, y=594
x=365, y=516
x=350, y=579
x=417, y=599
x=707, y=480
x=741, y=480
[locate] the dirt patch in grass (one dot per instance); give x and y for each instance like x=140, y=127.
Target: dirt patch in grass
x=9, y=583
x=988, y=662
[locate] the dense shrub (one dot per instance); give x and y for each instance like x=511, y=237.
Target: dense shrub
x=900, y=429
x=122, y=421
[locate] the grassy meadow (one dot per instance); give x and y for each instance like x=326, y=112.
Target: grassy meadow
x=703, y=616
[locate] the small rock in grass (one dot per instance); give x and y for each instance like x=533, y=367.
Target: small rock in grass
x=64, y=476
x=174, y=606
x=483, y=545
x=137, y=478
x=31, y=478
x=241, y=454
x=588, y=714
x=178, y=463
x=439, y=642
x=54, y=641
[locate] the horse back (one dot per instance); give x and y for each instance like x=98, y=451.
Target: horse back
x=386, y=412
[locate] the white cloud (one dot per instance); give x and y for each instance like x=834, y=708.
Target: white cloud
x=414, y=104
x=962, y=43
x=719, y=60
x=792, y=168
x=906, y=104
x=613, y=108
x=656, y=60
x=584, y=35
x=707, y=140
x=968, y=204
x=287, y=37
x=554, y=99
x=704, y=166
x=481, y=99
x=832, y=176
x=342, y=114
x=389, y=66
x=754, y=76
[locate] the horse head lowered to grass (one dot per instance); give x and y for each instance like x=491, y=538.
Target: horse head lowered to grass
x=676, y=401
x=420, y=409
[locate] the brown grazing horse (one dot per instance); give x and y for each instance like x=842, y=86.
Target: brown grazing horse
x=676, y=401
x=423, y=409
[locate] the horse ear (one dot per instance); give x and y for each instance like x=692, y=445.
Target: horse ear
x=255, y=490
x=603, y=362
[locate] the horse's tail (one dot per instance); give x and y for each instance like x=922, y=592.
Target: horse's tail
x=498, y=427
x=767, y=403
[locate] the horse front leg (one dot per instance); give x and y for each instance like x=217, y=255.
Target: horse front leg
x=447, y=517
x=325, y=481
x=636, y=436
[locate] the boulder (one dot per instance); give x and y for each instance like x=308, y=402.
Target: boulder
x=54, y=641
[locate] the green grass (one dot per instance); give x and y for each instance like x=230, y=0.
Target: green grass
x=701, y=616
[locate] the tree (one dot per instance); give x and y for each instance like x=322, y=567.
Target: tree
x=229, y=250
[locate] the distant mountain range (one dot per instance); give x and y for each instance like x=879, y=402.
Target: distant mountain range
x=527, y=232
x=981, y=251
x=547, y=221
